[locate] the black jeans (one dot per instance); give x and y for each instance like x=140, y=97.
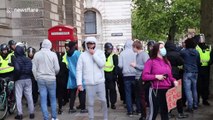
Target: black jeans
x=203, y=83
x=158, y=101
x=110, y=86
x=120, y=83
x=34, y=90
x=82, y=98
x=72, y=97
x=62, y=96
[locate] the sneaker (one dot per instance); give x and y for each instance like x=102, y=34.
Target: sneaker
x=137, y=113
x=60, y=111
x=195, y=108
x=182, y=115
x=171, y=115
x=55, y=119
x=84, y=111
x=72, y=110
x=206, y=103
x=130, y=114
x=142, y=118
x=32, y=116
x=18, y=117
x=78, y=107
x=189, y=110
x=113, y=107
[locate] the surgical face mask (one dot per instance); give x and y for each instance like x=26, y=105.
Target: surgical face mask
x=163, y=51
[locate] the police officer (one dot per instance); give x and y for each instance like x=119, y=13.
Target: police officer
x=12, y=46
x=110, y=70
x=204, y=69
x=6, y=68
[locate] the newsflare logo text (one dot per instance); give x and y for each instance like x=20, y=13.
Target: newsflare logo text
x=22, y=10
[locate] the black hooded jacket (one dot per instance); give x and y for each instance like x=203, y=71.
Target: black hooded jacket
x=22, y=65
x=175, y=59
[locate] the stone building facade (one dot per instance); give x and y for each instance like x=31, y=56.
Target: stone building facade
x=113, y=20
x=29, y=20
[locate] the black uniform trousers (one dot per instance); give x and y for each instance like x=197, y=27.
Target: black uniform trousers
x=110, y=86
x=203, y=82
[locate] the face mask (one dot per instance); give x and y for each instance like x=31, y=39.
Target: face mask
x=163, y=51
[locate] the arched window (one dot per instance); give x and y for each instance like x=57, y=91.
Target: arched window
x=90, y=22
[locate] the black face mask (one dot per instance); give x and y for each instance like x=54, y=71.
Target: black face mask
x=70, y=52
x=202, y=45
x=4, y=55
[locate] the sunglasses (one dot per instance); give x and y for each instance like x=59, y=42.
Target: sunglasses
x=92, y=48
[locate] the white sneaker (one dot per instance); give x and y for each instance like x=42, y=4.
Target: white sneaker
x=55, y=119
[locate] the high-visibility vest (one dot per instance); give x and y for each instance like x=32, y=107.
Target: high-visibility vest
x=204, y=55
x=64, y=59
x=109, y=65
x=4, y=64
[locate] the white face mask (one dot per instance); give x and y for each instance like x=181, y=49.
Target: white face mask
x=163, y=51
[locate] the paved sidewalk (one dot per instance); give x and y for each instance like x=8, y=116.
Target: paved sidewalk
x=203, y=113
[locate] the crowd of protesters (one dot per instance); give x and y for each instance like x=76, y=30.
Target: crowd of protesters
x=143, y=77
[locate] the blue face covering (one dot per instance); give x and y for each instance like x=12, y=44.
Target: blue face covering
x=163, y=51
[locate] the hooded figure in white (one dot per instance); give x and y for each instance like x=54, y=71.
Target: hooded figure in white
x=45, y=63
x=90, y=69
x=45, y=69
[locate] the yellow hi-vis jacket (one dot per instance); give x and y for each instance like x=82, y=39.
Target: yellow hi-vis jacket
x=109, y=65
x=64, y=59
x=4, y=67
x=204, y=55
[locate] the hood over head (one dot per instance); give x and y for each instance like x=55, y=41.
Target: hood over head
x=128, y=44
x=72, y=47
x=46, y=44
x=170, y=46
x=90, y=40
x=71, y=44
x=19, y=51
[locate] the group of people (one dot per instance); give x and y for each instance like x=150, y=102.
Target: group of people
x=143, y=77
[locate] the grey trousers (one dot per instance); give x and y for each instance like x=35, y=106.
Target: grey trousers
x=24, y=86
x=92, y=91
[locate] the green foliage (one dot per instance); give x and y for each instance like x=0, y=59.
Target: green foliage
x=153, y=19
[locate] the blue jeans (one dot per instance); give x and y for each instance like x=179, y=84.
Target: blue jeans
x=190, y=85
x=130, y=87
x=47, y=87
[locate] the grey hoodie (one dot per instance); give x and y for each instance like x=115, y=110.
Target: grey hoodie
x=141, y=59
x=90, y=67
x=126, y=58
x=45, y=63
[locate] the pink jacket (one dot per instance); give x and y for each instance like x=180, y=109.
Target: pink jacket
x=158, y=66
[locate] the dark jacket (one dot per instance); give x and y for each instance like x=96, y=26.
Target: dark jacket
x=191, y=60
x=22, y=65
x=211, y=58
x=175, y=59
x=62, y=76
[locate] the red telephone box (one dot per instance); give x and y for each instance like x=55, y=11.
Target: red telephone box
x=59, y=34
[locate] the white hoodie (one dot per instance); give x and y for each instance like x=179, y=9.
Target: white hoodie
x=90, y=67
x=45, y=63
